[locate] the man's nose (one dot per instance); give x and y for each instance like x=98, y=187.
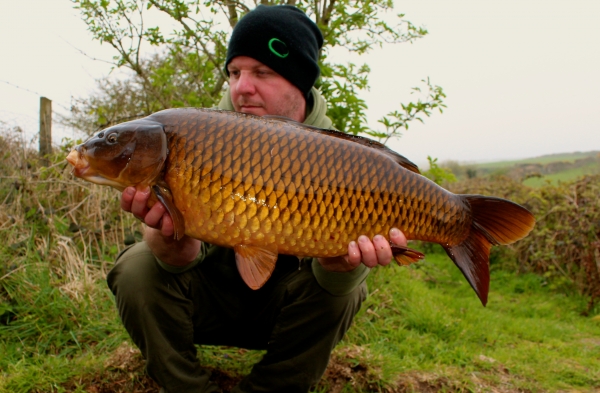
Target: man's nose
x=245, y=84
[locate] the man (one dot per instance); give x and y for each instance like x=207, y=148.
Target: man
x=174, y=294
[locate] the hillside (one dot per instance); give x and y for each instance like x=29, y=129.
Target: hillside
x=545, y=159
x=534, y=171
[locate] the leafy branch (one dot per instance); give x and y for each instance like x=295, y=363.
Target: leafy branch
x=186, y=67
x=394, y=122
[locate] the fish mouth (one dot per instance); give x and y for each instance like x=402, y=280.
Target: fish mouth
x=78, y=162
x=83, y=170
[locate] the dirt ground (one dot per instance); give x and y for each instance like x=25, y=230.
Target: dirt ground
x=124, y=373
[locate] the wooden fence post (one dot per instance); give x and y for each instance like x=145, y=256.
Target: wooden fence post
x=45, y=128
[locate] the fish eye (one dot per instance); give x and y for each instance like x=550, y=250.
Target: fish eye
x=112, y=138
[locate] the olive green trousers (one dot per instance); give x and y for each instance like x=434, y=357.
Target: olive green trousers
x=291, y=317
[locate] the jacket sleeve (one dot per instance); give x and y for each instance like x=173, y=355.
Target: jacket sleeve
x=337, y=283
x=180, y=269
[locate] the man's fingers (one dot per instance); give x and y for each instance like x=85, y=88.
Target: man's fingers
x=397, y=237
x=154, y=215
x=383, y=250
x=127, y=198
x=136, y=202
x=367, y=250
x=139, y=204
x=158, y=218
x=166, y=226
x=354, y=257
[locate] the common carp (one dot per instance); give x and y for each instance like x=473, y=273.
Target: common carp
x=268, y=185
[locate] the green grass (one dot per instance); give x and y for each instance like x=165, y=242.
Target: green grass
x=423, y=323
x=428, y=319
x=563, y=176
x=53, y=337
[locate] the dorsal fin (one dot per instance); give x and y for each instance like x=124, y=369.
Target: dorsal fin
x=401, y=160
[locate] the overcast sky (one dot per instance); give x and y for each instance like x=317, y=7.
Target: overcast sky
x=522, y=78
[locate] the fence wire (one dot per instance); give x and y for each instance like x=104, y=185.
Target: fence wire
x=25, y=128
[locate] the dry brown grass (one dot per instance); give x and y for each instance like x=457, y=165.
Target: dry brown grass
x=72, y=225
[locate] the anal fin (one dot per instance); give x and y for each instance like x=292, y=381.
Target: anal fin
x=255, y=264
x=405, y=256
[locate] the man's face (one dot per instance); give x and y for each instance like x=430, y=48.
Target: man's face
x=257, y=89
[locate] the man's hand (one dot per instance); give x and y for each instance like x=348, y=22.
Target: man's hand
x=371, y=253
x=159, y=234
x=135, y=201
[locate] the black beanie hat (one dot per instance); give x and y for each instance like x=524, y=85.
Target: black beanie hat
x=284, y=39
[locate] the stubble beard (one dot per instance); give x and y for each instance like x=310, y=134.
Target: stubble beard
x=292, y=105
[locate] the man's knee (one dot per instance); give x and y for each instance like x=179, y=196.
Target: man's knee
x=329, y=312
x=344, y=308
x=135, y=272
x=339, y=305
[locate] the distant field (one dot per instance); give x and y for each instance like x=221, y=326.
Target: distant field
x=566, y=157
x=563, y=176
x=538, y=171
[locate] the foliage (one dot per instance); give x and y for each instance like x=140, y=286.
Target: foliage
x=410, y=112
x=461, y=170
x=564, y=246
x=187, y=66
x=438, y=174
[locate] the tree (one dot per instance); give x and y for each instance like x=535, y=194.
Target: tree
x=186, y=67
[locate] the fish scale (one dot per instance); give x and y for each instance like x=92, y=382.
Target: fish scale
x=300, y=178
x=269, y=186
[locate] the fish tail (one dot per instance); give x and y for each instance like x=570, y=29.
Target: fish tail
x=495, y=221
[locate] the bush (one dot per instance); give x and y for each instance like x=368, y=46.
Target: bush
x=564, y=246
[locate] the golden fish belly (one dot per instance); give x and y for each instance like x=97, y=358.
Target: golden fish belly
x=271, y=183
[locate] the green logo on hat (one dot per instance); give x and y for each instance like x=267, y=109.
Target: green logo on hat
x=281, y=45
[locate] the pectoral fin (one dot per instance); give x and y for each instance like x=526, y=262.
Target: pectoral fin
x=405, y=256
x=164, y=195
x=255, y=264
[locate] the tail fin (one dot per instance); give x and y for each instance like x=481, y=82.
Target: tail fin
x=495, y=221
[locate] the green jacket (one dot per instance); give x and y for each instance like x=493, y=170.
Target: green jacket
x=332, y=282
x=316, y=114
